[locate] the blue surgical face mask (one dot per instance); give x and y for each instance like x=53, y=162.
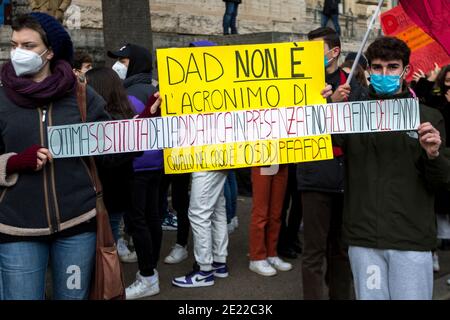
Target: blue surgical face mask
x=385, y=84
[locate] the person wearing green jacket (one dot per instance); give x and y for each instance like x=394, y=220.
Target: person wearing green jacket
x=391, y=179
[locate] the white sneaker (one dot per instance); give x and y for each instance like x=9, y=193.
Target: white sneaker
x=235, y=222
x=230, y=227
x=436, y=267
x=125, y=255
x=122, y=247
x=131, y=257
x=262, y=267
x=279, y=264
x=143, y=287
x=177, y=254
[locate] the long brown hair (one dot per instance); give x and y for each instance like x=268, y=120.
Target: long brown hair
x=440, y=80
x=359, y=72
x=108, y=84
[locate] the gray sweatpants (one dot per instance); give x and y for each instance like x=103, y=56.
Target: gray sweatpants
x=208, y=218
x=391, y=274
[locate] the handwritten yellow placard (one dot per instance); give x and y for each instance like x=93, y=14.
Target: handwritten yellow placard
x=233, y=78
x=247, y=154
x=205, y=80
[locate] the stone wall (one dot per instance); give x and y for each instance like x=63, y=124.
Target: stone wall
x=90, y=13
x=91, y=40
x=176, y=23
x=205, y=16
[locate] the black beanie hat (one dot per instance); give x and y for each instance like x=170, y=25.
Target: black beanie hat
x=58, y=38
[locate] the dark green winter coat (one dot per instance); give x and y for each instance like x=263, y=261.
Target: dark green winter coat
x=390, y=187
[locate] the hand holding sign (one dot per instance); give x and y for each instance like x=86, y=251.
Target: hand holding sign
x=151, y=107
x=430, y=139
x=43, y=155
x=156, y=104
x=341, y=94
x=327, y=91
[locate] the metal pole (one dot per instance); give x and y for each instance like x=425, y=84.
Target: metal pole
x=366, y=36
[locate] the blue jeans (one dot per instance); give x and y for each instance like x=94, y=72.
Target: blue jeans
x=23, y=268
x=229, y=18
x=230, y=192
x=335, y=19
x=115, y=218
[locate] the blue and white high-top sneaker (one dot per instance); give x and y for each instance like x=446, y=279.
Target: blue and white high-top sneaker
x=220, y=269
x=196, y=278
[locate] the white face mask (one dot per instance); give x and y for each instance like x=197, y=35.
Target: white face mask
x=26, y=62
x=120, y=69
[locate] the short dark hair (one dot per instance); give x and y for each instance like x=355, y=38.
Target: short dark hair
x=330, y=37
x=26, y=21
x=80, y=58
x=388, y=48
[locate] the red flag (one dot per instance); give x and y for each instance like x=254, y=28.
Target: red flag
x=433, y=16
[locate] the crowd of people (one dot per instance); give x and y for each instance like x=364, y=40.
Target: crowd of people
x=368, y=215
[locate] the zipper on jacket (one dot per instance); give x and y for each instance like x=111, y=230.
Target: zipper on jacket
x=43, y=127
x=377, y=190
x=89, y=173
x=44, y=113
x=52, y=177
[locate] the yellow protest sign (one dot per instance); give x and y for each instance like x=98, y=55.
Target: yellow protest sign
x=233, y=78
x=248, y=154
x=206, y=80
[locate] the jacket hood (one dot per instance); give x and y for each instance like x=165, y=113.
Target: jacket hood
x=140, y=60
x=140, y=78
